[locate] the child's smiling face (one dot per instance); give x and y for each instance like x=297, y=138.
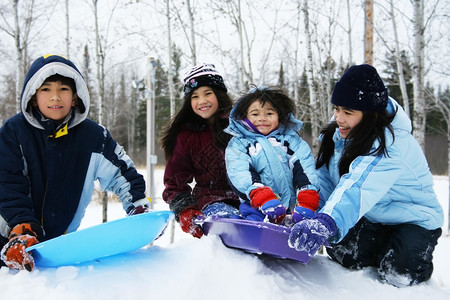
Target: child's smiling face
x=264, y=118
x=346, y=119
x=204, y=103
x=55, y=100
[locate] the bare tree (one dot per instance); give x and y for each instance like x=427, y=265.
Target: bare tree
x=192, y=30
x=23, y=21
x=67, y=29
x=368, y=32
x=310, y=75
x=297, y=46
x=349, y=33
x=100, y=45
x=189, y=30
x=100, y=55
x=169, y=60
x=20, y=30
x=419, y=118
x=401, y=75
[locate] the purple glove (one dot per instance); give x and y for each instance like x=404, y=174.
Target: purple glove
x=309, y=234
x=274, y=210
x=301, y=213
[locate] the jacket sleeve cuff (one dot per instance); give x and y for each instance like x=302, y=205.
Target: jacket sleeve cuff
x=180, y=202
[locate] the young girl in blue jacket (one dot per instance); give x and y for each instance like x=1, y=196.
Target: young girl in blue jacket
x=379, y=208
x=269, y=165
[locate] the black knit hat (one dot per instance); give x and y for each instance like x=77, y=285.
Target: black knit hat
x=361, y=88
x=203, y=75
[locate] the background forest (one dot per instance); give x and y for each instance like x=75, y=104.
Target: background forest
x=136, y=52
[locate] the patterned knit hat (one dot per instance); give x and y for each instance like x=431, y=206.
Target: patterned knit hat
x=203, y=75
x=361, y=88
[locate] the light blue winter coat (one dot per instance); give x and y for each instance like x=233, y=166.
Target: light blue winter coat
x=281, y=160
x=392, y=189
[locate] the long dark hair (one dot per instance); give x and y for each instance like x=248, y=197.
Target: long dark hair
x=358, y=142
x=187, y=117
x=282, y=104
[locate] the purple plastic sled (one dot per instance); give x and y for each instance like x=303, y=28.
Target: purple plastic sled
x=254, y=237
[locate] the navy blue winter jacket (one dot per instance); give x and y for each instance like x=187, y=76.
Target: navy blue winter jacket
x=47, y=171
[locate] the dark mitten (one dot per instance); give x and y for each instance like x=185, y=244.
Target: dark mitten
x=309, y=234
x=307, y=204
x=265, y=199
x=140, y=206
x=187, y=224
x=14, y=252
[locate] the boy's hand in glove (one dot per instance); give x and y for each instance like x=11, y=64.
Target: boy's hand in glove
x=265, y=199
x=309, y=234
x=187, y=224
x=139, y=207
x=13, y=253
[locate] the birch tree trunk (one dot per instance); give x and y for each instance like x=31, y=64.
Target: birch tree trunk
x=101, y=90
x=67, y=30
x=401, y=75
x=100, y=64
x=310, y=78
x=297, y=46
x=19, y=54
x=241, y=45
x=419, y=116
x=169, y=61
x=349, y=33
x=192, y=29
x=170, y=79
x=20, y=34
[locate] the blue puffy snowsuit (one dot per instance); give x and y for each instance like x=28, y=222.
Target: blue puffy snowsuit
x=47, y=170
x=281, y=160
x=385, y=208
x=392, y=189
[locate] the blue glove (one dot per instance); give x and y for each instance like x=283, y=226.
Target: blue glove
x=250, y=213
x=301, y=213
x=309, y=234
x=274, y=210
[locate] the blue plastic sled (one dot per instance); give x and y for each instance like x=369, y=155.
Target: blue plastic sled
x=254, y=237
x=110, y=238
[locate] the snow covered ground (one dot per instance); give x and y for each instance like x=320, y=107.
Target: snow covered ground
x=190, y=268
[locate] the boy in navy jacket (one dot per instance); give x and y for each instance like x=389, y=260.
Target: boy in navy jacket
x=51, y=154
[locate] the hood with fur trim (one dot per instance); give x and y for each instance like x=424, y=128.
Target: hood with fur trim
x=44, y=67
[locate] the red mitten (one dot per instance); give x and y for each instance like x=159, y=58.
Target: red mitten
x=14, y=254
x=265, y=199
x=187, y=224
x=309, y=199
x=307, y=204
x=261, y=195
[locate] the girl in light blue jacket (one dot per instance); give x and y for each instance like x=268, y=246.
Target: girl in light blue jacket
x=378, y=207
x=269, y=165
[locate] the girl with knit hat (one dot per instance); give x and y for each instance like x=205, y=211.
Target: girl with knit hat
x=378, y=207
x=269, y=165
x=194, y=145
